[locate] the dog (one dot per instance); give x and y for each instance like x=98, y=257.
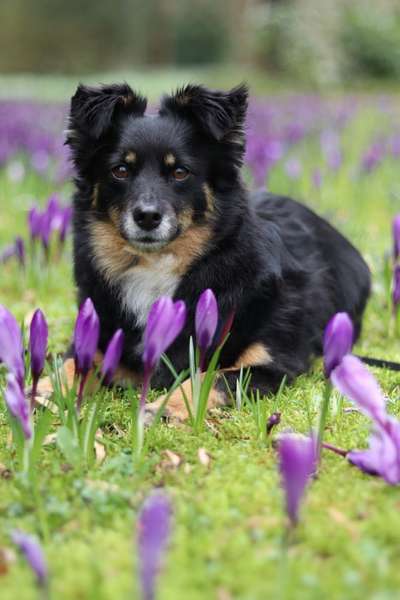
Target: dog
x=161, y=209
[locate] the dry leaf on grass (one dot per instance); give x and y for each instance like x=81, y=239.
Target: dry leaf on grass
x=170, y=461
x=7, y=557
x=5, y=472
x=204, y=457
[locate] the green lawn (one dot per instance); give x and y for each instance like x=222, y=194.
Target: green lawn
x=228, y=517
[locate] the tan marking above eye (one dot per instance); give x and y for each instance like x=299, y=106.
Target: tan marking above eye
x=130, y=157
x=169, y=159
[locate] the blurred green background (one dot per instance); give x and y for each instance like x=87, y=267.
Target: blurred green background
x=313, y=44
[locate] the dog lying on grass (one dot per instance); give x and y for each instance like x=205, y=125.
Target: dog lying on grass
x=160, y=209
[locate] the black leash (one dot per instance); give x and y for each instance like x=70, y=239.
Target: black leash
x=381, y=364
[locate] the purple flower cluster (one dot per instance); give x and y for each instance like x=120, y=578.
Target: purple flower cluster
x=55, y=219
x=35, y=132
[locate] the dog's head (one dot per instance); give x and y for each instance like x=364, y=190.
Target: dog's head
x=153, y=177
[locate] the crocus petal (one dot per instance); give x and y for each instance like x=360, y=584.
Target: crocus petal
x=154, y=524
x=382, y=456
x=20, y=250
x=112, y=356
x=338, y=340
x=38, y=343
x=11, y=347
x=396, y=236
x=33, y=553
x=396, y=287
x=17, y=404
x=165, y=322
x=354, y=380
x=206, y=319
x=297, y=463
x=86, y=336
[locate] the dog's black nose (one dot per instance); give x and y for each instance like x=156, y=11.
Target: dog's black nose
x=147, y=218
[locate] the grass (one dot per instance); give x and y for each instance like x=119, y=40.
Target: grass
x=228, y=517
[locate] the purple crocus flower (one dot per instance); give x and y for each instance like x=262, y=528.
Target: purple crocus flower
x=112, y=356
x=297, y=464
x=352, y=378
x=34, y=222
x=65, y=222
x=17, y=249
x=373, y=156
x=164, y=323
x=338, y=340
x=206, y=320
x=37, y=347
x=396, y=237
x=20, y=250
x=33, y=553
x=11, y=347
x=153, y=532
x=86, y=339
x=273, y=421
x=17, y=404
x=293, y=168
x=382, y=458
x=396, y=288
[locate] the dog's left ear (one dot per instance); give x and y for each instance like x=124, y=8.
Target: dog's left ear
x=220, y=115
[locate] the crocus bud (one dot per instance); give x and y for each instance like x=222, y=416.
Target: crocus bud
x=396, y=236
x=297, y=464
x=112, y=356
x=17, y=404
x=273, y=421
x=206, y=320
x=38, y=343
x=34, y=222
x=86, y=337
x=20, y=250
x=11, y=347
x=153, y=532
x=65, y=222
x=33, y=554
x=165, y=322
x=338, y=340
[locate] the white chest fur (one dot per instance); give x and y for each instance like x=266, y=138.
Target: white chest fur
x=142, y=285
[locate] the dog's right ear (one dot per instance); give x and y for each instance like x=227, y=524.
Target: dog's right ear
x=94, y=109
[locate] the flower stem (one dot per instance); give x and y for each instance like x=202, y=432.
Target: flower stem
x=80, y=392
x=33, y=392
x=339, y=451
x=323, y=415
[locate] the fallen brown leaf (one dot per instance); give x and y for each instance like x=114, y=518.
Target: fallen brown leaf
x=204, y=457
x=5, y=472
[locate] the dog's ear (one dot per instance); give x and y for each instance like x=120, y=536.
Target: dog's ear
x=93, y=109
x=220, y=115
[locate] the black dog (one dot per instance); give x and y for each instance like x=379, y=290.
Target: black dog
x=160, y=209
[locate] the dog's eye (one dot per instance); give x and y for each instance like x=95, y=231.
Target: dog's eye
x=120, y=172
x=180, y=173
